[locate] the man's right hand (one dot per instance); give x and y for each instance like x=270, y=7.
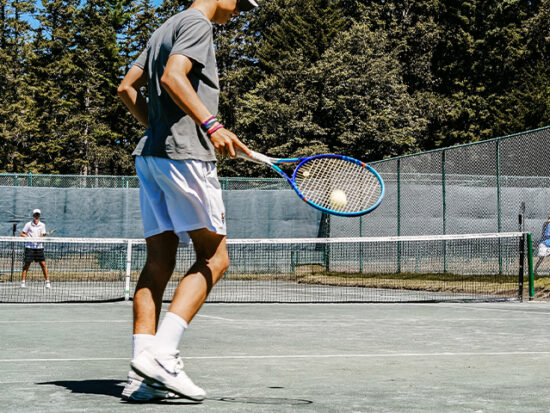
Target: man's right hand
x=226, y=142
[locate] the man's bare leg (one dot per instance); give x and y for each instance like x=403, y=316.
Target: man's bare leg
x=44, y=270
x=162, y=364
x=24, y=274
x=211, y=263
x=161, y=260
x=25, y=269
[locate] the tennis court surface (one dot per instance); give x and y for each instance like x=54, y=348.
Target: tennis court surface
x=452, y=357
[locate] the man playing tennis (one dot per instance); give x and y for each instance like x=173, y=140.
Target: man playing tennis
x=34, y=251
x=180, y=196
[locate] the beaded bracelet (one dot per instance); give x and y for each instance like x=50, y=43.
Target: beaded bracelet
x=208, y=123
x=214, y=129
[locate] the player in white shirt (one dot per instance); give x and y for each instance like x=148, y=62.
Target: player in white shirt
x=544, y=244
x=34, y=251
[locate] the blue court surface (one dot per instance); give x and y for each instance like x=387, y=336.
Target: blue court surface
x=446, y=357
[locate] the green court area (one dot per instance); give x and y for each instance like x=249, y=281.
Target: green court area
x=452, y=357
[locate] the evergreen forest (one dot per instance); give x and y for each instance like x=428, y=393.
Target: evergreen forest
x=370, y=79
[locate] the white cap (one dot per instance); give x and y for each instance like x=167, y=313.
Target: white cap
x=36, y=211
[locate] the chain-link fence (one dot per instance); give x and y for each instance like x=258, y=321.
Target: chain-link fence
x=95, y=181
x=68, y=181
x=471, y=188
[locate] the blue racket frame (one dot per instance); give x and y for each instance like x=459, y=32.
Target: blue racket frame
x=301, y=161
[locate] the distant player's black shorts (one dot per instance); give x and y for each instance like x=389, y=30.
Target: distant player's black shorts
x=34, y=254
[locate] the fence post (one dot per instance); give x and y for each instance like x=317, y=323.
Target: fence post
x=399, y=214
x=444, y=206
x=128, y=270
x=499, y=212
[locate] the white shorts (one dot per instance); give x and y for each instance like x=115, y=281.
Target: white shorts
x=179, y=196
x=544, y=251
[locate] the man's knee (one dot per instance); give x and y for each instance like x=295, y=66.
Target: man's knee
x=224, y=262
x=219, y=263
x=160, y=265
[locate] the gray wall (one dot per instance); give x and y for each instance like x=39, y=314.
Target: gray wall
x=114, y=213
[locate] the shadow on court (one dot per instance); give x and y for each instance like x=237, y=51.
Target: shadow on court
x=441, y=357
x=113, y=388
x=277, y=401
x=105, y=387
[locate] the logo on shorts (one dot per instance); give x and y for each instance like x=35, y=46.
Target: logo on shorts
x=223, y=217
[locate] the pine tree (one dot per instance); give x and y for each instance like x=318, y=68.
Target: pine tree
x=132, y=41
x=170, y=7
x=16, y=93
x=139, y=28
x=53, y=68
x=526, y=102
x=477, y=61
x=278, y=115
x=366, y=111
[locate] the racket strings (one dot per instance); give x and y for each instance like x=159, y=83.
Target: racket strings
x=319, y=178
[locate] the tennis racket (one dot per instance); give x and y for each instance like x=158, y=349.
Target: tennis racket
x=335, y=184
x=47, y=234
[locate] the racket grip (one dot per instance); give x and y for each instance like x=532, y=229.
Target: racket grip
x=256, y=157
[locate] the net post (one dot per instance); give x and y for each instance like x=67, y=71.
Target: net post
x=360, y=245
x=530, y=266
x=521, y=274
x=128, y=270
x=13, y=253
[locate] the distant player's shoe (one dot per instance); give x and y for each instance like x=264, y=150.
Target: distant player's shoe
x=167, y=370
x=23, y=284
x=48, y=285
x=137, y=389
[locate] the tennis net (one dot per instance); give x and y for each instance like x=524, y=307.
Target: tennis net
x=465, y=267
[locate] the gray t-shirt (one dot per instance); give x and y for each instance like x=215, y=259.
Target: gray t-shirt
x=171, y=133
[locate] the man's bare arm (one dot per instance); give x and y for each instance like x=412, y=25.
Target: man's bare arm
x=130, y=94
x=175, y=81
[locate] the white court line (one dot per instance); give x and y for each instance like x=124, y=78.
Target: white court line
x=216, y=318
x=507, y=310
x=291, y=321
x=64, y=321
x=303, y=356
x=347, y=321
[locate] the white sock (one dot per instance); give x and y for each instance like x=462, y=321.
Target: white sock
x=140, y=342
x=169, y=332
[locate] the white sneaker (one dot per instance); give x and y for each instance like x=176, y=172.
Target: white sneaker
x=48, y=285
x=137, y=389
x=23, y=284
x=167, y=369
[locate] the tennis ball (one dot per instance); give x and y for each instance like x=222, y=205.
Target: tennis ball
x=338, y=199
